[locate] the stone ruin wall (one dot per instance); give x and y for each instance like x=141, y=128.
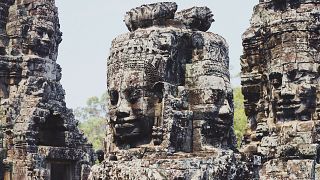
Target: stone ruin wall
x=171, y=107
x=39, y=138
x=280, y=84
x=171, y=104
x=280, y=75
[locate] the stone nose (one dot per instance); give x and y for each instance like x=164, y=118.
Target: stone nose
x=45, y=38
x=123, y=110
x=225, y=108
x=287, y=91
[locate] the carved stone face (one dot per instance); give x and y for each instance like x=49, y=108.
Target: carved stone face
x=42, y=37
x=219, y=117
x=131, y=107
x=293, y=91
x=212, y=103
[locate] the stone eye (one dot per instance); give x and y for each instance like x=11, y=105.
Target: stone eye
x=39, y=31
x=50, y=34
x=132, y=95
x=114, y=97
x=292, y=75
x=276, y=79
x=218, y=95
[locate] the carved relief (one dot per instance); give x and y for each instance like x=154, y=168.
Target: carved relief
x=38, y=126
x=280, y=77
x=170, y=99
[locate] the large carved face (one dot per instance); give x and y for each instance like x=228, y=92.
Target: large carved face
x=293, y=90
x=131, y=106
x=43, y=37
x=36, y=31
x=220, y=117
x=212, y=102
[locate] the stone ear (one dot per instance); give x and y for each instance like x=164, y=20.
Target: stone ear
x=158, y=89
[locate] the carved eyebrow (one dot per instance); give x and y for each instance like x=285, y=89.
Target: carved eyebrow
x=133, y=87
x=274, y=75
x=41, y=28
x=130, y=89
x=219, y=92
x=275, y=72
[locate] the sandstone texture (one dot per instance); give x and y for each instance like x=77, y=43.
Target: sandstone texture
x=280, y=79
x=39, y=138
x=171, y=104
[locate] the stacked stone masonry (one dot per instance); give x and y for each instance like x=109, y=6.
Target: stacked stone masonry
x=170, y=108
x=280, y=84
x=171, y=102
x=39, y=138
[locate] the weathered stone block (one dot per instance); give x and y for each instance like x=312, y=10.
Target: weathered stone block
x=303, y=138
x=264, y=150
x=270, y=141
x=308, y=149
x=274, y=166
x=317, y=171
x=305, y=126
x=301, y=169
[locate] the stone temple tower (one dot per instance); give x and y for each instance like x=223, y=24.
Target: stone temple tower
x=171, y=104
x=280, y=79
x=39, y=138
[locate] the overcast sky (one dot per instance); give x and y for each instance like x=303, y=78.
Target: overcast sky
x=89, y=26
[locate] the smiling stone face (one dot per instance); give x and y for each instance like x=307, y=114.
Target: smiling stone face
x=36, y=31
x=293, y=88
x=42, y=37
x=280, y=78
x=132, y=105
x=170, y=100
x=140, y=65
x=169, y=84
x=211, y=95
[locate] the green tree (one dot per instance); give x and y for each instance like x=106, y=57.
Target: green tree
x=92, y=119
x=240, y=119
x=94, y=130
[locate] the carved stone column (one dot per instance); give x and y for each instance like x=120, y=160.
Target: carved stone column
x=280, y=78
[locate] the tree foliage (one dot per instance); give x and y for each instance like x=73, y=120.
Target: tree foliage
x=240, y=119
x=94, y=130
x=92, y=119
x=95, y=108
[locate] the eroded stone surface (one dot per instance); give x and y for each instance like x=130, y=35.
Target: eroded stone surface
x=39, y=135
x=280, y=78
x=170, y=108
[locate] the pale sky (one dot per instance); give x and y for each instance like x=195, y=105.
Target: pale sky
x=89, y=26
